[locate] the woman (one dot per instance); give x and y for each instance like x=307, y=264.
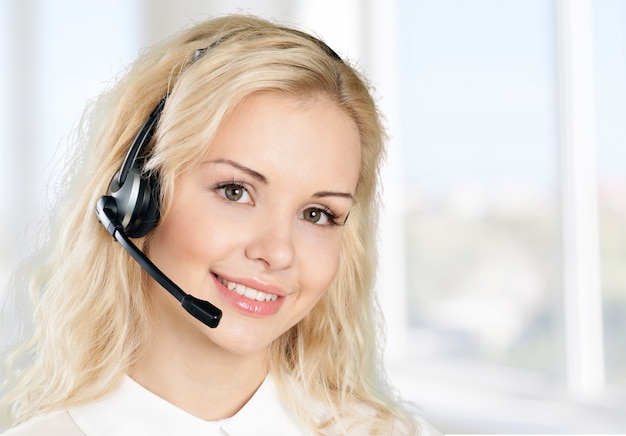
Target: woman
x=251, y=188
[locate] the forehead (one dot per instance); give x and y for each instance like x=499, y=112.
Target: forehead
x=278, y=133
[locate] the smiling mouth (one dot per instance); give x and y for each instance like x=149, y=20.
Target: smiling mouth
x=247, y=292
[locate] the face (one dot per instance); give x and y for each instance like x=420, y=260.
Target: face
x=256, y=226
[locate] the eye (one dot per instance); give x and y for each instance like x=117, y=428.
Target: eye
x=319, y=216
x=234, y=192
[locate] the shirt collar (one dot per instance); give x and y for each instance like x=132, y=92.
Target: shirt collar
x=263, y=415
x=132, y=410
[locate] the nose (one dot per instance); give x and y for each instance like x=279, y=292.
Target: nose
x=273, y=245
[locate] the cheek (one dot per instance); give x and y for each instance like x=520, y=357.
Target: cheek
x=186, y=238
x=170, y=248
x=320, y=264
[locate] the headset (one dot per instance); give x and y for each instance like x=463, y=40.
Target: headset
x=131, y=210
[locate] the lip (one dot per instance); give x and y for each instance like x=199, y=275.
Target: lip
x=246, y=305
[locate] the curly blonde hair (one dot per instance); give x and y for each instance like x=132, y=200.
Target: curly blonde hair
x=91, y=324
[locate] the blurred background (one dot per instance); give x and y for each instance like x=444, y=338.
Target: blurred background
x=503, y=239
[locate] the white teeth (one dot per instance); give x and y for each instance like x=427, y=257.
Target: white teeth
x=250, y=293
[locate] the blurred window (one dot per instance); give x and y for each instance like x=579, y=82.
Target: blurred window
x=479, y=128
x=610, y=90
x=493, y=227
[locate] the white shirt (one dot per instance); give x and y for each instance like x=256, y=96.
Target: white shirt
x=133, y=410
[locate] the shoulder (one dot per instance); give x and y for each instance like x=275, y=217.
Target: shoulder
x=53, y=424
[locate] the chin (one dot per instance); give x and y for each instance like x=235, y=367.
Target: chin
x=239, y=340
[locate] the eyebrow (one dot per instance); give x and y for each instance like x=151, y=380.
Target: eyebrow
x=263, y=179
x=240, y=167
x=333, y=194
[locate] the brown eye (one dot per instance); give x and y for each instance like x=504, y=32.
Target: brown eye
x=317, y=216
x=234, y=192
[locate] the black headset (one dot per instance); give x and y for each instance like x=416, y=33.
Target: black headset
x=135, y=192
x=131, y=210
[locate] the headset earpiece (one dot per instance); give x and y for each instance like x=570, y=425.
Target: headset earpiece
x=135, y=192
x=137, y=202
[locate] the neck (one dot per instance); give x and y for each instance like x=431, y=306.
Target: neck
x=183, y=366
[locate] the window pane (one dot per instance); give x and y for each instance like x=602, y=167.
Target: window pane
x=483, y=228
x=610, y=79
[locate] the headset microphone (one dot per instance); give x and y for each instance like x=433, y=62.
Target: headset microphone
x=131, y=210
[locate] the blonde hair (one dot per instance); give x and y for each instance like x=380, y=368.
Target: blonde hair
x=92, y=324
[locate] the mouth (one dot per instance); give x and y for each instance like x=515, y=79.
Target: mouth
x=247, y=292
